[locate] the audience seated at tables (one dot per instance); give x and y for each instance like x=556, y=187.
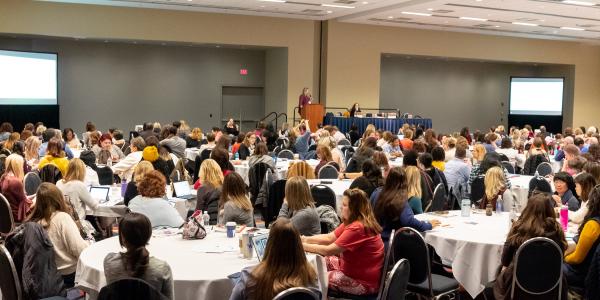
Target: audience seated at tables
x=301, y=168
x=106, y=143
x=411, y=159
x=449, y=146
x=147, y=131
x=438, y=156
x=261, y=155
x=336, y=153
x=490, y=142
x=414, y=192
x=382, y=162
x=430, y=139
x=407, y=142
x=151, y=153
x=578, y=263
x=514, y=157
x=538, y=219
x=55, y=156
x=32, y=155
x=47, y=135
x=564, y=191
x=393, y=148
x=152, y=202
x=53, y=213
x=495, y=186
x=73, y=186
x=231, y=128
x=490, y=160
x=71, y=139
x=235, y=206
x=283, y=266
x=354, y=251
x=221, y=157
x=89, y=159
x=354, y=135
x=173, y=142
x=584, y=183
x=135, y=231
x=300, y=138
x=364, y=152
x=124, y=168
x=140, y=171
x=299, y=206
x=391, y=208
x=194, y=139
x=457, y=170
x=210, y=179
x=7, y=147
x=570, y=152
x=325, y=158
x=11, y=186
x=370, y=179
x=210, y=143
x=238, y=140
x=437, y=176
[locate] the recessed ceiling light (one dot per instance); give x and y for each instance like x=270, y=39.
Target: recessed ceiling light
x=497, y=26
x=390, y=17
x=573, y=28
x=524, y=24
x=338, y=6
x=278, y=1
x=473, y=19
x=416, y=13
x=365, y=2
x=329, y=12
x=584, y=3
x=430, y=9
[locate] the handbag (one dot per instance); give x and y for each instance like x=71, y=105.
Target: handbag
x=193, y=229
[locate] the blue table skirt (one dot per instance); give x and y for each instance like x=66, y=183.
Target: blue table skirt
x=380, y=123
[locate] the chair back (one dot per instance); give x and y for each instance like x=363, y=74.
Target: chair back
x=544, y=169
x=205, y=154
x=130, y=288
x=503, y=157
x=31, y=181
x=312, y=147
x=105, y=176
x=323, y=195
x=328, y=172
x=50, y=173
x=10, y=285
x=439, y=199
x=409, y=244
x=7, y=223
x=297, y=293
x=275, y=201
x=477, y=189
x=344, y=142
x=285, y=153
x=539, y=184
x=256, y=178
x=538, y=268
x=396, y=282
x=509, y=167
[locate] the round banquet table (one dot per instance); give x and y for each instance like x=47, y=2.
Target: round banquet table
x=197, y=274
x=473, y=244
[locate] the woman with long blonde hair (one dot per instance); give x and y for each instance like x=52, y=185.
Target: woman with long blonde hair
x=8, y=145
x=235, y=206
x=495, y=186
x=283, y=266
x=11, y=186
x=194, y=138
x=72, y=185
x=413, y=187
x=32, y=149
x=139, y=172
x=478, y=154
x=301, y=168
x=354, y=251
x=211, y=180
x=299, y=207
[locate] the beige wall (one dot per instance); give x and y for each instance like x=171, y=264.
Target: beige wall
x=354, y=52
x=99, y=22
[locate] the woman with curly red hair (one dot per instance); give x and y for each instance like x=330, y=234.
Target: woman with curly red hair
x=152, y=202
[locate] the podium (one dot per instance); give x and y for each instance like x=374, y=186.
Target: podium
x=314, y=114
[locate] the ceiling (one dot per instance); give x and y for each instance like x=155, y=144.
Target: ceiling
x=577, y=20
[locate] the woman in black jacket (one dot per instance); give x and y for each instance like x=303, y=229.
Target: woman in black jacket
x=370, y=180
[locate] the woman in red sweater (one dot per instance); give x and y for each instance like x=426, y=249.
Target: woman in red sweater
x=11, y=186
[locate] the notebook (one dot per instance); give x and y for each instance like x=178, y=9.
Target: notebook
x=182, y=190
x=100, y=192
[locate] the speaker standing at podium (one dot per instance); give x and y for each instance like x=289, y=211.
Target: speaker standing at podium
x=355, y=108
x=305, y=98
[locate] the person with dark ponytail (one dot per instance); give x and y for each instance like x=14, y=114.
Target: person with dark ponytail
x=135, y=231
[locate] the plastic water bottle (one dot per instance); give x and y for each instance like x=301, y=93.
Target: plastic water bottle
x=499, y=205
x=465, y=208
x=236, y=156
x=123, y=187
x=205, y=218
x=564, y=217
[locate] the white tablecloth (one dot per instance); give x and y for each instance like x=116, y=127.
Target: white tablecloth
x=473, y=245
x=520, y=188
x=241, y=167
x=196, y=275
x=191, y=153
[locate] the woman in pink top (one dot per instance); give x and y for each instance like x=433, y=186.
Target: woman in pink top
x=354, y=251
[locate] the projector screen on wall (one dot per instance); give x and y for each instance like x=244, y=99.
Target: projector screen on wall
x=536, y=96
x=27, y=78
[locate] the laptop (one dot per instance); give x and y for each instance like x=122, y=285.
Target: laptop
x=100, y=192
x=182, y=190
x=259, y=242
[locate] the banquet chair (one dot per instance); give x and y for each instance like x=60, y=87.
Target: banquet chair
x=394, y=287
x=539, y=184
x=50, y=173
x=130, y=289
x=544, y=169
x=10, y=285
x=409, y=244
x=205, y=154
x=285, y=153
x=31, y=181
x=538, y=270
x=477, y=189
x=328, y=172
x=508, y=166
x=274, y=201
x=344, y=142
x=297, y=293
x=105, y=175
x=503, y=157
x=439, y=199
x=7, y=223
x=312, y=147
x=323, y=195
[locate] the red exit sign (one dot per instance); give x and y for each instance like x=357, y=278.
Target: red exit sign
x=243, y=71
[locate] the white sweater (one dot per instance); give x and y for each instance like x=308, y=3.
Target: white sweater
x=578, y=216
x=79, y=196
x=68, y=243
x=126, y=166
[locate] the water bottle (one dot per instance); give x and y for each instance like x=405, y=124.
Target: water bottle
x=205, y=218
x=123, y=187
x=499, y=205
x=564, y=217
x=236, y=156
x=465, y=208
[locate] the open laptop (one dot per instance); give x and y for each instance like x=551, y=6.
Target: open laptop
x=100, y=192
x=259, y=242
x=182, y=190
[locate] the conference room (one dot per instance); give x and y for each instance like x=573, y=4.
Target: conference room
x=314, y=149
